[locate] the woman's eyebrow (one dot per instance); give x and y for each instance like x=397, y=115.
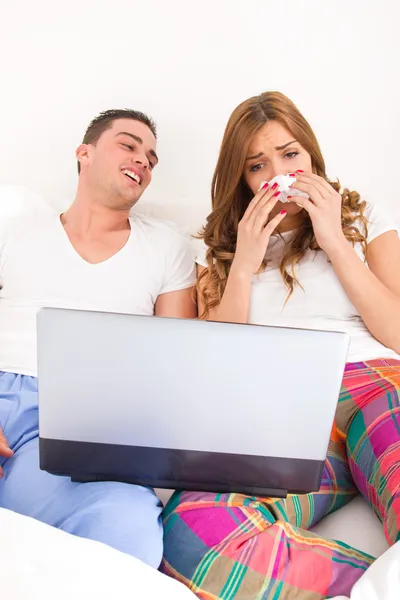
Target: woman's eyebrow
x=276, y=148
x=285, y=145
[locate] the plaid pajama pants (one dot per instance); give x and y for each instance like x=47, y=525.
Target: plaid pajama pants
x=229, y=546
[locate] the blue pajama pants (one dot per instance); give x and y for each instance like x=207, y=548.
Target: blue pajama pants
x=127, y=517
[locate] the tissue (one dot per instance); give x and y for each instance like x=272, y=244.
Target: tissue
x=284, y=182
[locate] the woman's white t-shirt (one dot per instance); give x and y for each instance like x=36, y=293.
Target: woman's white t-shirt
x=321, y=302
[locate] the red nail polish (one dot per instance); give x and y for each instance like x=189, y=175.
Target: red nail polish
x=277, y=194
x=265, y=186
x=299, y=171
x=275, y=186
x=288, y=197
x=283, y=212
x=292, y=174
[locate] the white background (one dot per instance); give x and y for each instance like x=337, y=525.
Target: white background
x=188, y=64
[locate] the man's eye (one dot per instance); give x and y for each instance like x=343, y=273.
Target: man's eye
x=128, y=146
x=256, y=167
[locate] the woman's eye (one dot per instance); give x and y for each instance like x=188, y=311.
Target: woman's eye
x=291, y=154
x=256, y=167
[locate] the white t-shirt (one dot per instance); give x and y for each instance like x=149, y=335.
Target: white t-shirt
x=39, y=267
x=322, y=303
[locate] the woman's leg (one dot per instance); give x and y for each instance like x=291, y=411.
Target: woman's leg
x=369, y=415
x=232, y=546
x=236, y=547
x=337, y=489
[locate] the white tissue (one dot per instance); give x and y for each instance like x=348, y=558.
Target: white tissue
x=284, y=182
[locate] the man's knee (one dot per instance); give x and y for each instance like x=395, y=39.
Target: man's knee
x=123, y=516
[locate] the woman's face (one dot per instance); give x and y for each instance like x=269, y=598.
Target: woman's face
x=274, y=151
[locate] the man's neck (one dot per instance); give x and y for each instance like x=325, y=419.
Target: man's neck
x=88, y=218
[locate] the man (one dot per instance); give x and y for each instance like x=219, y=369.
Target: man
x=96, y=257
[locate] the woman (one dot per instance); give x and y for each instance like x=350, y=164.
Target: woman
x=328, y=261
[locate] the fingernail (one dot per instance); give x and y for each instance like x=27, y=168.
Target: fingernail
x=277, y=194
x=275, y=186
x=292, y=174
x=265, y=186
x=299, y=171
x=283, y=212
x=288, y=197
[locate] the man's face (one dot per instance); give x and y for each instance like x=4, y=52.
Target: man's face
x=119, y=166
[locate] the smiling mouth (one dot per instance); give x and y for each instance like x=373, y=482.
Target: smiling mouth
x=132, y=176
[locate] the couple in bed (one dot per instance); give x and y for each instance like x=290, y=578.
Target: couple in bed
x=325, y=259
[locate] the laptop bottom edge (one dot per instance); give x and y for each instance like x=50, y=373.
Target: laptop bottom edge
x=189, y=470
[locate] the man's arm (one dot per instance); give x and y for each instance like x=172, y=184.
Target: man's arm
x=176, y=297
x=180, y=304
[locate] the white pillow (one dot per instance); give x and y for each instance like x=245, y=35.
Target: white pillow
x=17, y=200
x=40, y=562
x=188, y=217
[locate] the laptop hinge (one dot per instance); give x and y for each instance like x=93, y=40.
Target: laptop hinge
x=260, y=492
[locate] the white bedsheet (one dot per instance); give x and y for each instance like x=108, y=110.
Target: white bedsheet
x=40, y=562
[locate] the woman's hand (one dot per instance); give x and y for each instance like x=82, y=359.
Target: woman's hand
x=324, y=207
x=255, y=229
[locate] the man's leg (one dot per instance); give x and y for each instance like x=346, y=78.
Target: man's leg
x=369, y=415
x=124, y=516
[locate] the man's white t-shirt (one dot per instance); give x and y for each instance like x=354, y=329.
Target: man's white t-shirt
x=321, y=302
x=39, y=267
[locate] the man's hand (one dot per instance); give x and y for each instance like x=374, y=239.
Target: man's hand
x=4, y=449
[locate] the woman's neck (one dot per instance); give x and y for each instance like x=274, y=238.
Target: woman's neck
x=290, y=222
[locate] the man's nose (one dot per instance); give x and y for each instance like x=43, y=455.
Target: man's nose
x=141, y=159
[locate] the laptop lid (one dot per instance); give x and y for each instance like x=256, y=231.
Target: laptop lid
x=185, y=403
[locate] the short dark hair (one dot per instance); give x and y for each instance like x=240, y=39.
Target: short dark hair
x=105, y=120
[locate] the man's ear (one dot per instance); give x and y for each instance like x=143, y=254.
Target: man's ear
x=82, y=154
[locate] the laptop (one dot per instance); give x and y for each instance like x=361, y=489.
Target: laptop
x=186, y=404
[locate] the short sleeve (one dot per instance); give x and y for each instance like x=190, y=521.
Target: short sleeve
x=4, y=230
x=180, y=268
x=379, y=221
x=200, y=250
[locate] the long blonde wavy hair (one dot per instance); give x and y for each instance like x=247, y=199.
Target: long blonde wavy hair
x=231, y=195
